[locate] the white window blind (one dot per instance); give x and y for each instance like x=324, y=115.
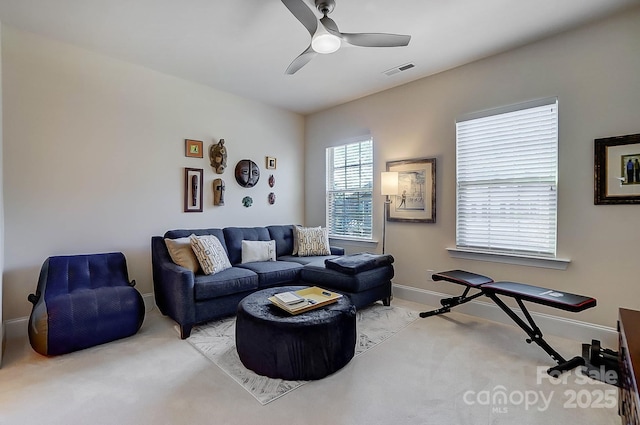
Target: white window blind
x=349, y=189
x=506, y=180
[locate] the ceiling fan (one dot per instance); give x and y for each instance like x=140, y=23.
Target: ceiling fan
x=326, y=38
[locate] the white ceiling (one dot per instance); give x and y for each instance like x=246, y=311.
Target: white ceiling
x=244, y=46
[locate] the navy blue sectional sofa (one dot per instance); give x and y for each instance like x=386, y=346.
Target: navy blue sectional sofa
x=191, y=298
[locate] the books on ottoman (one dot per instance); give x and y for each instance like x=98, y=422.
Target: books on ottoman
x=289, y=298
x=312, y=298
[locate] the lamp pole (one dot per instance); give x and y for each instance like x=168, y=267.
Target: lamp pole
x=387, y=202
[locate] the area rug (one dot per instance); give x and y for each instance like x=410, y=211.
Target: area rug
x=216, y=340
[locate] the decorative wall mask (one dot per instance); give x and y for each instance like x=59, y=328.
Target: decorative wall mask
x=218, y=192
x=218, y=156
x=247, y=201
x=272, y=181
x=272, y=198
x=247, y=173
x=193, y=189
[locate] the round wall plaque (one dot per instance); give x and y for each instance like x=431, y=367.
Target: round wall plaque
x=247, y=173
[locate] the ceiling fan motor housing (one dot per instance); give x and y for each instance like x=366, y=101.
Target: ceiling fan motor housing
x=325, y=6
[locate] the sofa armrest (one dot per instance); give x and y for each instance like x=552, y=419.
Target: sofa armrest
x=336, y=250
x=173, y=285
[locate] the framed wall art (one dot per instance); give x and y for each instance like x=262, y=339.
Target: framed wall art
x=193, y=148
x=617, y=170
x=193, y=189
x=416, y=199
x=271, y=163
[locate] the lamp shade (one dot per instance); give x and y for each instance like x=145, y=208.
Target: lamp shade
x=389, y=183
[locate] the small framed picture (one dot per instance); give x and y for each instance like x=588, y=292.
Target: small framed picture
x=271, y=163
x=193, y=189
x=617, y=170
x=193, y=148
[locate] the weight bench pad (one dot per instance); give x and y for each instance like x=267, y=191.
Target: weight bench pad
x=549, y=297
x=462, y=278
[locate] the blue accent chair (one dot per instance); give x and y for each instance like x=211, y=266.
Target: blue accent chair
x=82, y=301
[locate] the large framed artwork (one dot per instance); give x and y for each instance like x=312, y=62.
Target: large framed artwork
x=416, y=199
x=193, y=189
x=617, y=170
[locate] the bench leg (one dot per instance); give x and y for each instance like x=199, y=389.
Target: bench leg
x=535, y=335
x=386, y=301
x=448, y=303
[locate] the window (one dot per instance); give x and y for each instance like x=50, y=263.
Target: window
x=349, y=190
x=506, y=180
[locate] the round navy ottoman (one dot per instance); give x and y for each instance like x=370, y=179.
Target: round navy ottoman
x=308, y=346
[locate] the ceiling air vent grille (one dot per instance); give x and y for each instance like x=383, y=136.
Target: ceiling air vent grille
x=397, y=69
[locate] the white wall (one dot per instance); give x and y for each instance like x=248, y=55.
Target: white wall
x=94, y=159
x=595, y=72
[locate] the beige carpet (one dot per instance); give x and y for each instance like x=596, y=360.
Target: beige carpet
x=419, y=376
x=216, y=341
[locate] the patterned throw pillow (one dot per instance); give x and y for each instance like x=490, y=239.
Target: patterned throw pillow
x=313, y=241
x=210, y=253
x=296, y=237
x=258, y=251
x=181, y=253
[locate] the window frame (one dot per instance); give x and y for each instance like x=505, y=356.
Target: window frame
x=524, y=256
x=362, y=190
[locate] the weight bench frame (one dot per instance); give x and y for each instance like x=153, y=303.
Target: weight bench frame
x=519, y=292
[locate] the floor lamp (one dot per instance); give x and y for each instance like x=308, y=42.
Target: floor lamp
x=388, y=187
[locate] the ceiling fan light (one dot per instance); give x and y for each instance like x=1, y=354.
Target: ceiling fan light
x=325, y=43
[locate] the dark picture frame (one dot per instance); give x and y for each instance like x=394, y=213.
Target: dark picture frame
x=193, y=148
x=193, y=189
x=416, y=199
x=617, y=170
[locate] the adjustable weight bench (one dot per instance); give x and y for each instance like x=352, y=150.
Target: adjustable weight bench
x=520, y=292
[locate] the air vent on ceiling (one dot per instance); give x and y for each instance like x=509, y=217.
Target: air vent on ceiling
x=395, y=70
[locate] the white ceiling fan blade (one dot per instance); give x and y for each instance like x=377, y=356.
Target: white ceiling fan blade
x=330, y=25
x=301, y=61
x=366, y=39
x=301, y=11
x=376, y=39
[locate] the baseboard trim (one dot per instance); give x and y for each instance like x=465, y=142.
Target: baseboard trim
x=552, y=325
x=17, y=328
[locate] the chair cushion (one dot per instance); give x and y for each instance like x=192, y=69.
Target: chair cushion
x=89, y=317
x=65, y=274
